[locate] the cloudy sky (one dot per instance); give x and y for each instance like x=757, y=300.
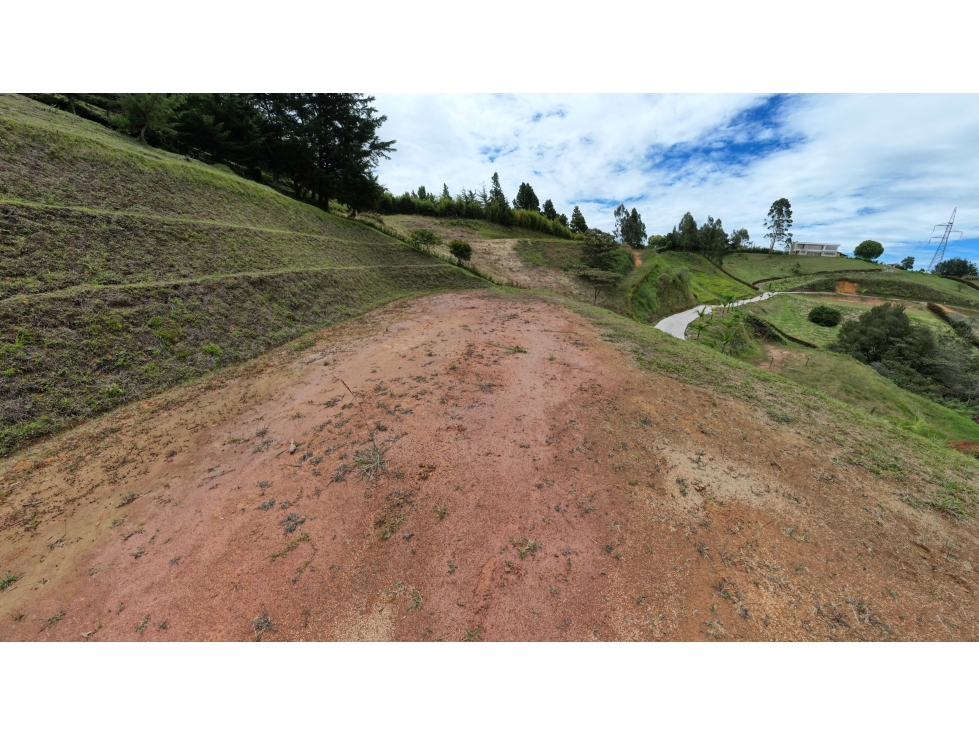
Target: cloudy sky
x=854, y=167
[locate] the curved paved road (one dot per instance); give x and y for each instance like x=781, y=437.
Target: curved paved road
x=676, y=325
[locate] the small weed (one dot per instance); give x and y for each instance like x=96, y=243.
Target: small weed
x=261, y=432
x=441, y=511
x=452, y=567
x=141, y=627
x=268, y=504
x=471, y=634
x=165, y=624
x=703, y=550
x=453, y=366
x=264, y=484
x=262, y=624
x=291, y=522
x=340, y=473
x=53, y=620
x=525, y=547
x=682, y=483
x=175, y=560
x=259, y=448
x=370, y=461
x=127, y=499
x=9, y=579
x=516, y=349
x=416, y=600
x=304, y=538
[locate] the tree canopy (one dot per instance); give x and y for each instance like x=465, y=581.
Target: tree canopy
x=957, y=267
x=778, y=223
x=868, y=250
x=549, y=211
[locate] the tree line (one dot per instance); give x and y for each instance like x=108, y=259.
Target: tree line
x=322, y=147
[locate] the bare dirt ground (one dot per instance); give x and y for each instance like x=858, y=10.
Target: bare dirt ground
x=550, y=492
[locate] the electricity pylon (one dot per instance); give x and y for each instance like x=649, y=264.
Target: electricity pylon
x=940, y=252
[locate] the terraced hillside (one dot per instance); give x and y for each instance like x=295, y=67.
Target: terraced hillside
x=755, y=267
x=125, y=269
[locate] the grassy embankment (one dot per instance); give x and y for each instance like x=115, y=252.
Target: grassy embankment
x=708, y=284
x=925, y=471
x=890, y=284
x=125, y=269
x=789, y=313
x=755, y=267
x=846, y=379
x=468, y=229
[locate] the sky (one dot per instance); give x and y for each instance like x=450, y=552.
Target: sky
x=886, y=167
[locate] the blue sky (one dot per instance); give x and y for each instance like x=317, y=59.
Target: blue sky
x=854, y=167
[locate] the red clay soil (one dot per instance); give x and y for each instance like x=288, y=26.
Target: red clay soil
x=531, y=484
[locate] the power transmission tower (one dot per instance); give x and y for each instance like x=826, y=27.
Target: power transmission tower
x=940, y=252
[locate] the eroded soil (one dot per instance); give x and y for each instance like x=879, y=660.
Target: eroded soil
x=530, y=483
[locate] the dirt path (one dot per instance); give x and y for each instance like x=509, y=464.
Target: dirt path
x=532, y=485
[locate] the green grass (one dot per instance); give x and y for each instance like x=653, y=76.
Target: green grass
x=755, y=266
x=471, y=229
x=890, y=284
x=925, y=472
x=858, y=384
x=125, y=270
x=789, y=313
x=558, y=254
x=708, y=284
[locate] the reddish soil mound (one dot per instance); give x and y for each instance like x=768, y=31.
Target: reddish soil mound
x=529, y=484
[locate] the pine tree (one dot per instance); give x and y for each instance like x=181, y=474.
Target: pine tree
x=633, y=231
x=549, y=211
x=526, y=198
x=578, y=224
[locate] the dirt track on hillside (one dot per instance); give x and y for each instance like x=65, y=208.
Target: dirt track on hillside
x=547, y=492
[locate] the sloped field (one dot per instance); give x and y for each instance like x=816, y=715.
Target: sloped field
x=480, y=467
x=124, y=269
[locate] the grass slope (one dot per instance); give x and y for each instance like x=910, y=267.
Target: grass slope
x=926, y=473
x=124, y=269
x=890, y=284
x=790, y=312
x=755, y=266
x=471, y=230
x=708, y=284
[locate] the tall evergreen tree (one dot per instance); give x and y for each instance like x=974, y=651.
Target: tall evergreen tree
x=778, y=222
x=147, y=114
x=688, y=238
x=526, y=198
x=549, y=211
x=633, y=230
x=578, y=224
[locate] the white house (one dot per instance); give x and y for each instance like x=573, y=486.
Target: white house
x=814, y=248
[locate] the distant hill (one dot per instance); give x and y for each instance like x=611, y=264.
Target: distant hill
x=125, y=269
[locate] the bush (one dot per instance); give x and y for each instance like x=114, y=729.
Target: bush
x=461, y=250
x=424, y=239
x=825, y=316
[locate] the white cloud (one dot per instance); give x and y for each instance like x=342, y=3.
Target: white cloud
x=902, y=161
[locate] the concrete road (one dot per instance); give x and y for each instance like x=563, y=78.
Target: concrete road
x=676, y=325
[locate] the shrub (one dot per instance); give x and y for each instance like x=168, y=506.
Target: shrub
x=461, y=250
x=424, y=239
x=825, y=316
